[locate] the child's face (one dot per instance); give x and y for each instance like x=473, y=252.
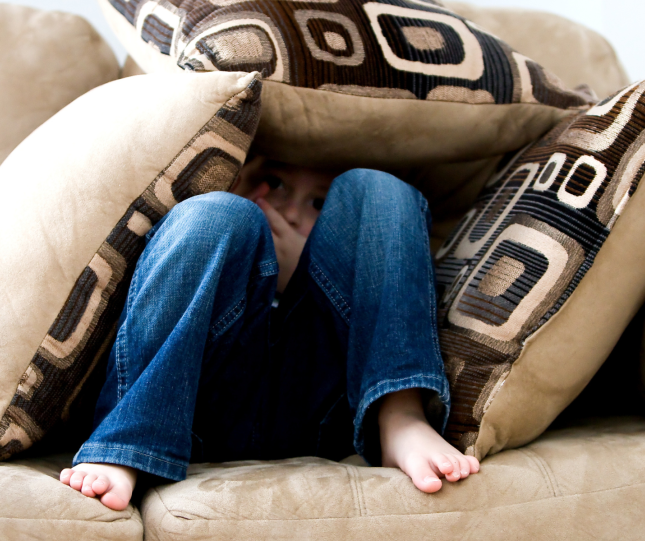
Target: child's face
x=297, y=193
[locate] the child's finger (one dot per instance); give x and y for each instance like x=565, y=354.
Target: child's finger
x=259, y=191
x=278, y=224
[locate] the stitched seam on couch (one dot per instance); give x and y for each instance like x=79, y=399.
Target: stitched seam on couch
x=550, y=478
x=130, y=518
x=160, y=498
x=406, y=516
x=357, y=490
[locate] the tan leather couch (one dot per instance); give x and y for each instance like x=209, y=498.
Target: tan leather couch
x=584, y=481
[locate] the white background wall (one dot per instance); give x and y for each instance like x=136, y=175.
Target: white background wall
x=620, y=21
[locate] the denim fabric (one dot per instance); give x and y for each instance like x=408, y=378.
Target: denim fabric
x=203, y=369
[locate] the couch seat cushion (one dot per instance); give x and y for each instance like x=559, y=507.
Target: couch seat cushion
x=35, y=505
x=564, y=485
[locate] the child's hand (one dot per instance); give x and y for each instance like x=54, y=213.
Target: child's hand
x=288, y=243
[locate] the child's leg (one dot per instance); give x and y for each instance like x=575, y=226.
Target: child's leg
x=369, y=253
x=189, y=289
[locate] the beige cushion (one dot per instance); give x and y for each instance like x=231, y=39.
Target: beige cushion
x=575, y=483
x=131, y=68
x=79, y=194
x=575, y=53
x=352, y=83
x=47, y=60
x=543, y=275
x=34, y=504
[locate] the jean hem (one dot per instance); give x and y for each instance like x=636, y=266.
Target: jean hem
x=430, y=383
x=143, y=461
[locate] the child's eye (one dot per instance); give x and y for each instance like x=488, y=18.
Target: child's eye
x=318, y=203
x=273, y=181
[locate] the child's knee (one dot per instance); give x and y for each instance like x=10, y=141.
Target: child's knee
x=377, y=187
x=219, y=211
x=201, y=222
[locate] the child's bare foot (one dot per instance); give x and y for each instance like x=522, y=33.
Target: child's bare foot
x=111, y=483
x=411, y=444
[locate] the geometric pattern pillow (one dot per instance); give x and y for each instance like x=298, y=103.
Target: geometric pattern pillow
x=541, y=277
x=393, y=83
x=78, y=196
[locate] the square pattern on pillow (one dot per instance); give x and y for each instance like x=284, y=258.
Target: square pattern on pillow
x=414, y=49
x=521, y=255
x=383, y=84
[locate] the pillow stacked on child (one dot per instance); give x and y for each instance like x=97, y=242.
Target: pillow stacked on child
x=358, y=82
x=543, y=274
x=47, y=60
x=79, y=195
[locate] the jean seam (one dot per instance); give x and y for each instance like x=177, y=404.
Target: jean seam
x=223, y=321
x=329, y=290
x=121, y=363
x=266, y=274
x=121, y=345
x=424, y=204
x=272, y=269
x=134, y=451
x=444, y=396
x=431, y=283
x=399, y=380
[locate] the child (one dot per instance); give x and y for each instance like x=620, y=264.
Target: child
x=205, y=370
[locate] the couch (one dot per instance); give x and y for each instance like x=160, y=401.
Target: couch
x=583, y=479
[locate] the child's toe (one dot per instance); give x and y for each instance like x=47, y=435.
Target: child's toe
x=76, y=480
x=430, y=483
x=442, y=463
x=474, y=464
x=456, y=468
x=422, y=474
x=101, y=484
x=464, y=467
x=87, y=485
x=65, y=475
x=116, y=499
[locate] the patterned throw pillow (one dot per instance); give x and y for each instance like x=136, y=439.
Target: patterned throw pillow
x=394, y=83
x=543, y=274
x=47, y=60
x=79, y=194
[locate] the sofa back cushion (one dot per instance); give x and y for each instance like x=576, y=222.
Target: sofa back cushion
x=576, y=54
x=47, y=60
x=542, y=276
x=79, y=195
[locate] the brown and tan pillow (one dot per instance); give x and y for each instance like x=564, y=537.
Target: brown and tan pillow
x=47, y=60
x=542, y=276
x=78, y=196
x=357, y=82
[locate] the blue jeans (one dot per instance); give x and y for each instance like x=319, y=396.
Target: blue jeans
x=204, y=369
